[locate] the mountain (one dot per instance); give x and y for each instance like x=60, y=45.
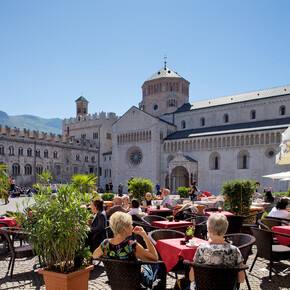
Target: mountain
x=31, y=122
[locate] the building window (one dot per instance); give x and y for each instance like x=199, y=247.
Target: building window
x=100, y=171
x=83, y=136
x=226, y=118
x=109, y=136
x=57, y=169
x=77, y=157
x=11, y=150
x=39, y=169
x=67, y=130
x=214, y=161
x=28, y=169
x=55, y=154
x=105, y=159
x=45, y=153
x=183, y=124
x=29, y=152
x=109, y=158
x=202, y=122
x=37, y=153
x=15, y=169
x=95, y=135
x=244, y=160
x=20, y=151
x=110, y=173
x=93, y=159
x=2, y=150
x=86, y=159
x=253, y=115
x=282, y=110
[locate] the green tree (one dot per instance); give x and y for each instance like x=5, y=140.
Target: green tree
x=138, y=187
x=239, y=194
x=45, y=178
x=84, y=183
x=183, y=191
x=4, y=181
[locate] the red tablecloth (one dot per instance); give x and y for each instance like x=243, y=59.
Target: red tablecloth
x=155, y=210
x=208, y=213
x=283, y=230
x=169, y=225
x=10, y=221
x=171, y=251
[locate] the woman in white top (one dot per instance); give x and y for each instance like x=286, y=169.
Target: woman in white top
x=135, y=208
x=279, y=211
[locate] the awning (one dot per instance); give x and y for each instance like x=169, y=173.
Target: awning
x=283, y=157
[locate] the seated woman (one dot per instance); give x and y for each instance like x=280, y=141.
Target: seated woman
x=269, y=197
x=148, y=201
x=217, y=251
x=279, y=211
x=120, y=248
x=126, y=204
x=98, y=225
x=136, y=210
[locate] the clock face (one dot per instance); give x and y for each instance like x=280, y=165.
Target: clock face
x=136, y=157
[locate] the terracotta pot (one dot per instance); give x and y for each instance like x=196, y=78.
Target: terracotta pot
x=78, y=280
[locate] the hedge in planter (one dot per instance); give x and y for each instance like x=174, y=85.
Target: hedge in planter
x=139, y=187
x=239, y=195
x=183, y=192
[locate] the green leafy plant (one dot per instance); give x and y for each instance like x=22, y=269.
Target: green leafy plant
x=183, y=191
x=138, y=187
x=57, y=228
x=108, y=196
x=239, y=194
x=4, y=181
x=190, y=231
x=84, y=183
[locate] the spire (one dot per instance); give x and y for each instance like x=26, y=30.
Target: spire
x=165, y=58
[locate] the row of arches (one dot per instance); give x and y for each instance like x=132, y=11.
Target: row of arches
x=226, y=118
x=222, y=142
x=134, y=136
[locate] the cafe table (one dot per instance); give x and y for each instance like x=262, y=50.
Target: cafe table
x=226, y=213
x=164, y=211
x=10, y=221
x=283, y=230
x=170, y=225
x=171, y=251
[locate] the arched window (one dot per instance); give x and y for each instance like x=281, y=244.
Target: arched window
x=93, y=159
x=57, y=169
x=29, y=152
x=253, y=115
x=37, y=153
x=86, y=159
x=202, y=122
x=45, y=154
x=15, y=169
x=55, y=154
x=39, y=169
x=169, y=158
x=183, y=124
x=77, y=157
x=226, y=118
x=1, y=149
x=214, y=161
x=20, y=151
x=244, y=160
x=282, y=111
x=11, y=150
x=28, y=169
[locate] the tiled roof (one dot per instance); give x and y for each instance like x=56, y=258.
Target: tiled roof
x=268, y=93
x=230, y=129
x=189, y=158
x=81, y=98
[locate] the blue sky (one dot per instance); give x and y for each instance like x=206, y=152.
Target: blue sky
x=53, y=51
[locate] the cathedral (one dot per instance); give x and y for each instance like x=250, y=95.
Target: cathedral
x=170, y=140
x=166, y=138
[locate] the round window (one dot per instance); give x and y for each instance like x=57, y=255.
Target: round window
x=136, y=157
x=155, y=107
x=270, y=152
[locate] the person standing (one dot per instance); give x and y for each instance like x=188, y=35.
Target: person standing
x=193, y=191
x=157, y=188
x=120, y=190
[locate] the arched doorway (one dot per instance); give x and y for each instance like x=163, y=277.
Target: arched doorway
x=179, y=177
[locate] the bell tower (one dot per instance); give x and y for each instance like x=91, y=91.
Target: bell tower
x=82, y=106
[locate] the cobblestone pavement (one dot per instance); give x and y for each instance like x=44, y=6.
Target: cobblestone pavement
x=25, y=274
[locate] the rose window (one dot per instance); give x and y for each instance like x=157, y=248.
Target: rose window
x=136, y=157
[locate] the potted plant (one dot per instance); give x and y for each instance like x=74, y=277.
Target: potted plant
x=189, y=233
x=57, y=227
x=170, y=218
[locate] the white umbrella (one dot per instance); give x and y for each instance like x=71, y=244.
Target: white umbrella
x=280, y=175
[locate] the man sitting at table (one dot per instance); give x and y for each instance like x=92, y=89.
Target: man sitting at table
x=117, y=206
x=217, y=251
x=166, y=201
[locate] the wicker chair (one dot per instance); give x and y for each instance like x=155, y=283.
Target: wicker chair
x=152, y=218
x=215, y=277
x=124, y=274
x=251, y=222
x=211, y=209
x=23, y=251
x=267, y=250
x=235, y=224
x=278, y=219
x=147, y=227
x=244, y=243
x=268, y=223
x=201, y=231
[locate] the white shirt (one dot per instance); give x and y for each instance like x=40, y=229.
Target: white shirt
x=166, y=201
x=135, y=211
x=279, y=213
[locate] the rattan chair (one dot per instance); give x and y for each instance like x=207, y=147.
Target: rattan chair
x=251, y=221
x=279, y=219
x=123, y=274
x=244, y=243
x=152, y=218
x=147, y=227
x=235, y=224
x=268, y=223
x=215, y=277
x=15, y=252
x=201, y=231
x=267, y=250
x=211, y=209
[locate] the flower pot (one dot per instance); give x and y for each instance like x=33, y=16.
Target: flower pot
x=170, y=219
x=187, y=237
x=78, y=280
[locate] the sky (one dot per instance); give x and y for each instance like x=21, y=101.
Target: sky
x=53, y=51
